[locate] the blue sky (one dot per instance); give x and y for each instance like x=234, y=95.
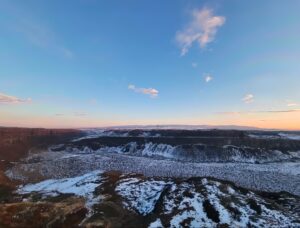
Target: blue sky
x=99, y=63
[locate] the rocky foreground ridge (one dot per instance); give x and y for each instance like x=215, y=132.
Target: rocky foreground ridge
x=112, y=199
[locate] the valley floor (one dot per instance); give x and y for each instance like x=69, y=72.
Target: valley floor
x=272, y=177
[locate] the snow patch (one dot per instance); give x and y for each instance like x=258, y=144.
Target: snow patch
x=140, y=195
x=163, y=150
x=290, y=136
x=156, y=224
x=84, y=186
x=264, y=136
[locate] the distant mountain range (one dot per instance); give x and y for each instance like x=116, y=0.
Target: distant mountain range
x=186, y=127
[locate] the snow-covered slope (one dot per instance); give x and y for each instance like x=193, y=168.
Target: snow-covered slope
x=80, y=186
x=196, y=202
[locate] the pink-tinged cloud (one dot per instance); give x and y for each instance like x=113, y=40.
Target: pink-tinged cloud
x=8, y=99
x=202, y=29
x=291, y=103
x=148, y=91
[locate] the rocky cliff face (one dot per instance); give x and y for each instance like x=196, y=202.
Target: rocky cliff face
x=16, y=143
x=194, y=146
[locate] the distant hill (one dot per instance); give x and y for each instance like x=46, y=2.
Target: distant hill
x=185, y=127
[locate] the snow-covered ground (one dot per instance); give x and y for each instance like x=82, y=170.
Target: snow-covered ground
x=95, y=133
x=91, y=133
x=279, y=135
x=140, y=195
x=290, y=136
x=186, y=202
x=193, y=153
x=192, y=201
x=274, y=177
x=84, y=186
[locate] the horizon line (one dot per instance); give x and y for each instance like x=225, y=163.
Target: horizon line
x=165, y=126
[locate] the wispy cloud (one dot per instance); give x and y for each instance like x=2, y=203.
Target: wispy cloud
x=41, y=36
x=195, y=65
x=201, y=29
x=208, y=78
x=33, y=32
x=93, y=101
x=291, y=103
x=248, y=98
x=229, y=113
x=66, y=52
x=32, y=29
x=259, y=111
x=8, y=99
x=282, y=111
x=80, y=114
x=148, y=91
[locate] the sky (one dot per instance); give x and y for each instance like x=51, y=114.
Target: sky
x=89, y=63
